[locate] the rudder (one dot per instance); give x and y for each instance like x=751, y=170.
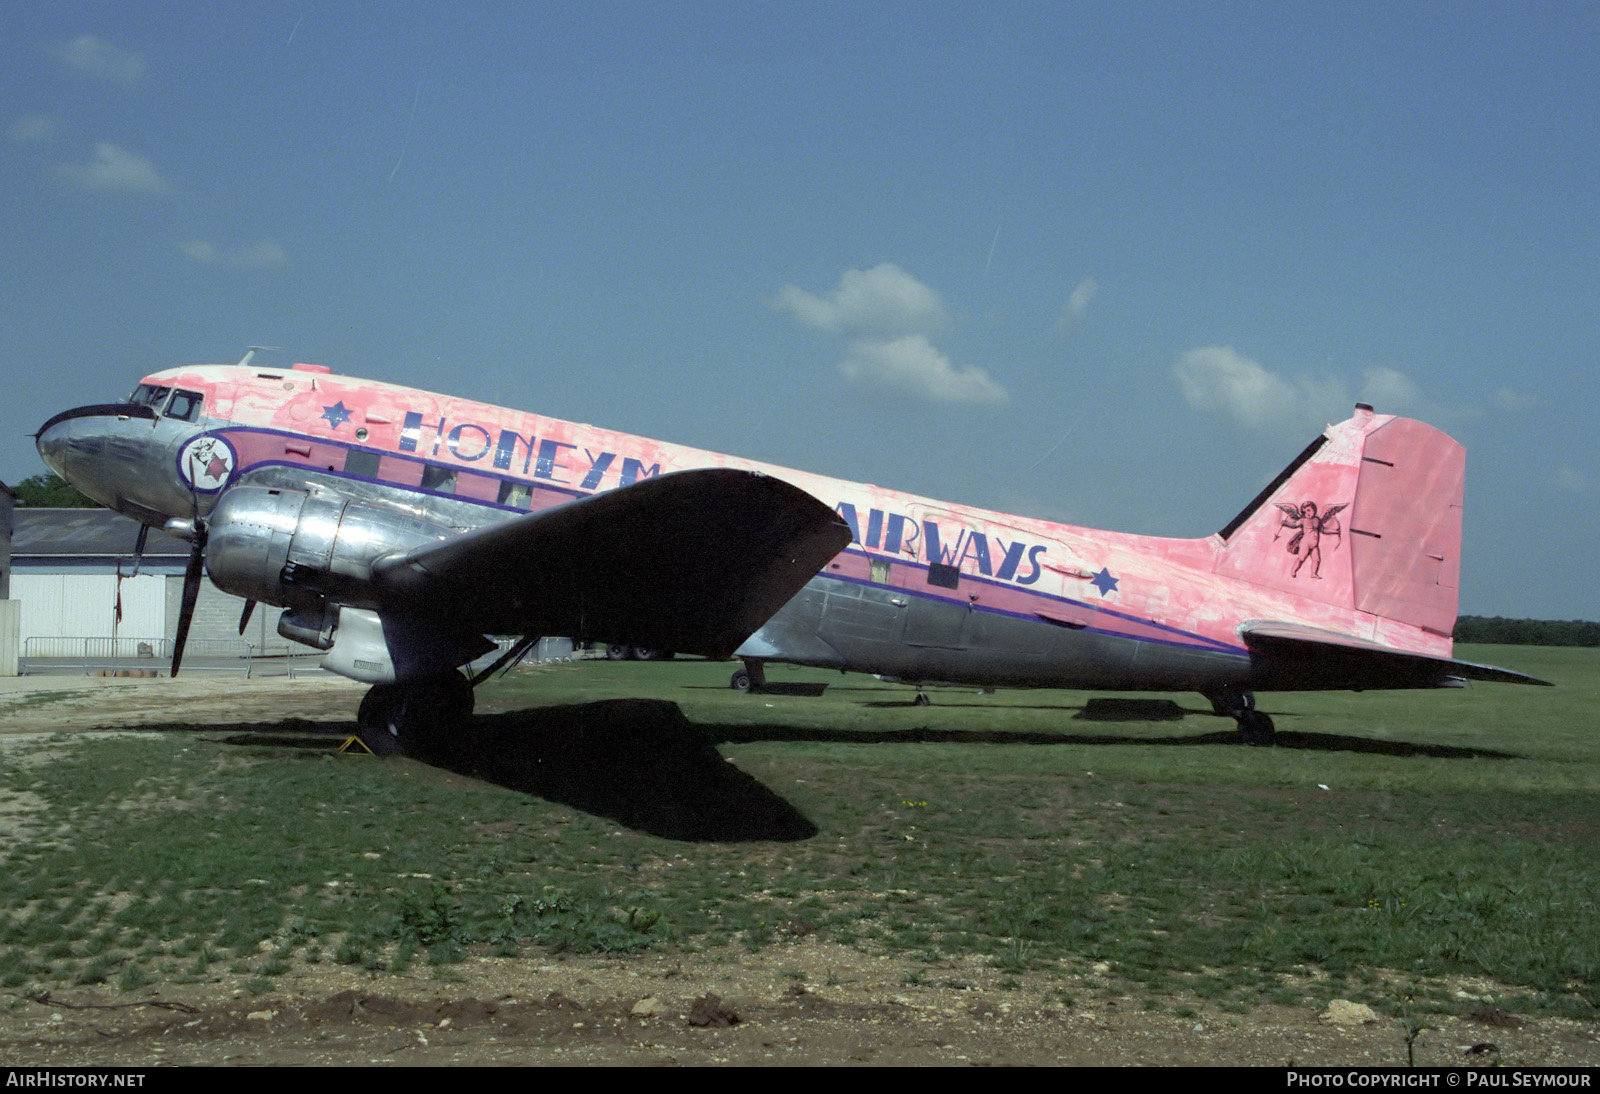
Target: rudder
x=1405, y=525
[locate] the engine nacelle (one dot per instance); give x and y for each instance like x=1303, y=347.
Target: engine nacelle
x=302, y=550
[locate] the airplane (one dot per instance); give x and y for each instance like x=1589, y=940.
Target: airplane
x=397, y=528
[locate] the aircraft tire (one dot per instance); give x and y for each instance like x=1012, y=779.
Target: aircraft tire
x=1255, y=727
x=390, y=714
x=617, y=652
x=376, y=717
x=753, y=677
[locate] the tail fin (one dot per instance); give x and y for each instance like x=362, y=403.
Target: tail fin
x=1367, y=518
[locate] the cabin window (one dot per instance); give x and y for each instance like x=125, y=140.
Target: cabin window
x=439, y=479
x=945, y=577
x=185, y=405
x=880, y=571
x=365, y=464
x=515, y=494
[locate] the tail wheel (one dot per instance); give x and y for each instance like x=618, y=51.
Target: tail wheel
x=753, y=677
x=1230, y=703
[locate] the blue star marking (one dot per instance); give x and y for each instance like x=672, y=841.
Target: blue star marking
x=336, y=414
x=1104, y=582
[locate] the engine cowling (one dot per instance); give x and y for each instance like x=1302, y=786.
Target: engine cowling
x=301, y=550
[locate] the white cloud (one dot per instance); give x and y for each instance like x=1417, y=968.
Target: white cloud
x=912, y=366
x=1223, y=380
x=1077, y=303
x=1220, y=378
x=32, y=129
x=115, y=168
x=252, y=257
x=883, y=301
x=100, y=59
x=888, y=316
x=1389, y=391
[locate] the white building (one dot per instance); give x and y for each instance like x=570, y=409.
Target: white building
x=73, y=572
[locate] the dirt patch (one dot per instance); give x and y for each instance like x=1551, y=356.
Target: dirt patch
x=810, y=1003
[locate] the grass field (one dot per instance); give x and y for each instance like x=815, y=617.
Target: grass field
x=1390, y=845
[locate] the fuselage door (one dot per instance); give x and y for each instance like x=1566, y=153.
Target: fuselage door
x=939, y=611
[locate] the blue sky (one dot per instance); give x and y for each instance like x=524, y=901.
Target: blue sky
x=1113, y=264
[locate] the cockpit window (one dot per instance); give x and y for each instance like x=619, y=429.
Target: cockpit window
x=185, y=405
x=150, y=395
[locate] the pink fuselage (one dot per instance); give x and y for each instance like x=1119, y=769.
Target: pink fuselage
x=927, y=590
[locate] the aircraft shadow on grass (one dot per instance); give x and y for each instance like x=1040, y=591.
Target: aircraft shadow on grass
x=638, y=762
x=643, y=764
x=1104, y=710
x=1290, y=739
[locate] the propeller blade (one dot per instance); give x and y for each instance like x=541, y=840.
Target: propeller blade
x=191, y=593
x=244, y=620
x=138, y=548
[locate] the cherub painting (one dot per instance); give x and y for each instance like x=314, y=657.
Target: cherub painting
x=1309, y=528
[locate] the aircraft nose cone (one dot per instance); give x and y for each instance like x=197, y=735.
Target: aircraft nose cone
x=73, y=444
x=54, y=441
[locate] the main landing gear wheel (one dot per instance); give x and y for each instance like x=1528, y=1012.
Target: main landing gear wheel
x=375, y=717
x=390, y=714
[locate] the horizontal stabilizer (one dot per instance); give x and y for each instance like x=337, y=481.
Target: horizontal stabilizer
x=1292, y=657
x=692, y=562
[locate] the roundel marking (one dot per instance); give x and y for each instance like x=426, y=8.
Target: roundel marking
x=206, y=463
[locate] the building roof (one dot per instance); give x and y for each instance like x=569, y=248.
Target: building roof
x=43, y=535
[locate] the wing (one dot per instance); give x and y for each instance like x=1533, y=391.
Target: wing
x=1292, y=657
x=693, y=561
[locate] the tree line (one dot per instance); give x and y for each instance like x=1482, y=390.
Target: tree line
x=50, y=491
x=1527, y=632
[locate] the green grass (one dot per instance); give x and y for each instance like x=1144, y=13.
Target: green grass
x=1389, y=840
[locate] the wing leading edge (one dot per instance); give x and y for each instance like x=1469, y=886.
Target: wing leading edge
x=693, y=561
x=1291, y=657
